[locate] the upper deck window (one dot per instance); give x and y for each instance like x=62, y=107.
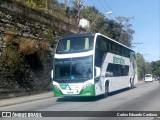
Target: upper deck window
x=75, y=44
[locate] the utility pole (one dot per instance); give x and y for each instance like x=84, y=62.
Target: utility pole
x=77, y=5
x=78, y=9
x=65, y=4
x=47, y=5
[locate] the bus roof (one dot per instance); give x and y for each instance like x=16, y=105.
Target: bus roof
x=94, y=34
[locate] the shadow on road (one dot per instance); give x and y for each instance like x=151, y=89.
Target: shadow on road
x=88, y=99
x=79, y=99
x=118, y=91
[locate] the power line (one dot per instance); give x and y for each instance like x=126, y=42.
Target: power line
x=110, y=8
x=108, y=5
x=95, y=5
x=101, y=5
x=84, y=2
x=104, y=7
x=70, y=1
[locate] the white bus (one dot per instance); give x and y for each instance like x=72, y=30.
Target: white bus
x=92, y=64
x=148, y=78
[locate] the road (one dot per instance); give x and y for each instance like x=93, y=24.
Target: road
x=145, y=97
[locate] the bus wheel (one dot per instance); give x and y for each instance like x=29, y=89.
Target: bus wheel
x=131, y=83
x=105, y=95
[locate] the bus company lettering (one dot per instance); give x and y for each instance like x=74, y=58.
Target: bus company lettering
x=117, y=60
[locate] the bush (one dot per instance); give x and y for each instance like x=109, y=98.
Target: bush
x=14, y=72
x=8, y=38
x=28, y=46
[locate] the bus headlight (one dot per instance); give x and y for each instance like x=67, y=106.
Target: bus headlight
x=86, y=85
x=56, y=87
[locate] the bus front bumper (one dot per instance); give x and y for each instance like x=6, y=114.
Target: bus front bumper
x=88, y=91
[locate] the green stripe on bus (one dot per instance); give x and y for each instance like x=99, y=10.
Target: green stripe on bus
x=88, y=91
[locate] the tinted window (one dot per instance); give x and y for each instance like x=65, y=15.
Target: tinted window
x=75, y=44
x=118, y=70
x=148, y=75
x=73, y=69
x=100, y=49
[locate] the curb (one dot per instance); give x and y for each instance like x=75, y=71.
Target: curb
x=18, y=100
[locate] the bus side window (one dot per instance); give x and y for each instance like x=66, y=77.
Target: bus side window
x=99, y=53
x=109, y=46
x=128, y=53
x=117, y=70
x=104, y=44
x=123, y=52
x=113, y=48
x=109, y=70
x=118, y=49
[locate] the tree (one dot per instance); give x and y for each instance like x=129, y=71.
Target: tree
x=13, y=69
x=155, y=65
x=41, y=4
x=148, y=67
x=120, y=30
x=126, y=31
x=140, y=66
x=76, y=8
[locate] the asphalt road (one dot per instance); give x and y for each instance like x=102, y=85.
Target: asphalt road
x=145, y=97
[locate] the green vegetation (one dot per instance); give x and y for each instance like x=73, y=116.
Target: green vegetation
x=14, y=71
x=51, y=7
x=147, y=67
x=22, y=62
x=155, y=68
x=119, y=29
x=140, y=66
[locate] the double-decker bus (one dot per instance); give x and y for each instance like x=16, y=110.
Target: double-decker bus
x=92, y=64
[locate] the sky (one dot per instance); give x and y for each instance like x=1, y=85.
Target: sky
x=146, y=22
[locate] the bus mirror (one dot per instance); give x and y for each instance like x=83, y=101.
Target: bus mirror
x=97, y=72
x=52, y=74
x=109, y=74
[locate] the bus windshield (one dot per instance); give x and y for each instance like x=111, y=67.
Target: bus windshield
x=75, y=44
x=148, y=75
x=70, y=70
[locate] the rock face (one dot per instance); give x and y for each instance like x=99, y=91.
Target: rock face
x=31, y=34
x=22, y=21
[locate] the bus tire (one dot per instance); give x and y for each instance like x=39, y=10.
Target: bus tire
x=105, y=95
x=131, y=83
